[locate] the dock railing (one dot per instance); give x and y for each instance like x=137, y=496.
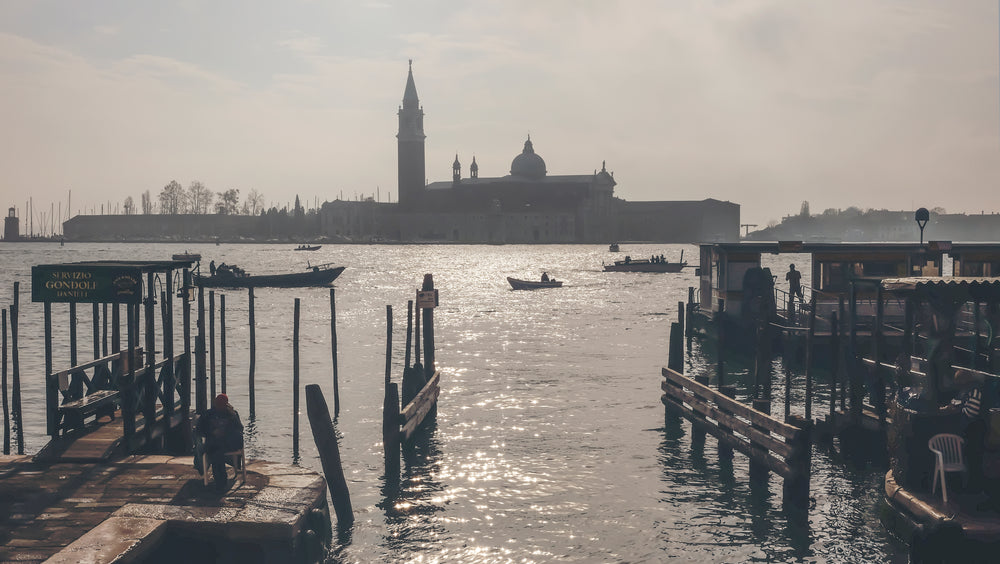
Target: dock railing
x=75, y=383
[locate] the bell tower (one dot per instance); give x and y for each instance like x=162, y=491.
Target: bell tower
x=410, y=142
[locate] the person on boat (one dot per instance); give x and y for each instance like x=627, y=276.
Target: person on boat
x=222, y=431
x=794, y=278
x=211, y=267
x=545, y=277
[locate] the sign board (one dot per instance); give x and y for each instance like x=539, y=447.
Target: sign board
x=75, y=283
x=427, y=299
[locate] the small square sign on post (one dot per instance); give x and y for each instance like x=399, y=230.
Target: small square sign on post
x=427, y=299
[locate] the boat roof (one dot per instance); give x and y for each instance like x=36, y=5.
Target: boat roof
x=984, y=288
x=142, y=265
x=778, y=247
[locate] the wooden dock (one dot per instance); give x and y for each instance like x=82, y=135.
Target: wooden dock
x=123, y=510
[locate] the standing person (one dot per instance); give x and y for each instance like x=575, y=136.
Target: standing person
x=211, y=267
x=223, y=432
x=545, y=277
x=794, y=278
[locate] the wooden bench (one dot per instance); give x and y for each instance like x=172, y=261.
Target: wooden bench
x=99, y=403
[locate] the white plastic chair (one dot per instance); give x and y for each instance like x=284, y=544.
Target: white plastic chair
x=235, y=458
x=947, y=449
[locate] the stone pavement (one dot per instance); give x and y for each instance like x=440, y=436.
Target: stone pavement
x=121, y=511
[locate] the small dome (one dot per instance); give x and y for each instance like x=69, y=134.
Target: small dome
x=528, y=164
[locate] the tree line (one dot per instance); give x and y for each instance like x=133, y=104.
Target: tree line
x=174, y=199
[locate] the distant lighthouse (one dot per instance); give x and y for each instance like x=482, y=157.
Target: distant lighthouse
x=11, y=226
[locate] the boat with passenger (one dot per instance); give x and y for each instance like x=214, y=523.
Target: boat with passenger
x=652, y=264
x=545, y=282
x=193, y=257
x=227, y=276
x=305, y=247
x=613, y=247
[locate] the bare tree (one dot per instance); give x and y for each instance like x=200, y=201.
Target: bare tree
x=129, y=206
x=254, y=203
x=199, y=198
x=172, y=198
x=148, y=206
x=228, y=203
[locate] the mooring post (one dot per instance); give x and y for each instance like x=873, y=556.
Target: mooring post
x=104, y=334
x=253, y=355
x=725, y=451
x=842, y=317
x=697, y=431
x=429, y=365
x=853, y=376
x=116, y=328
x=834, y=362
x=72, y=334
x=200, y=391
x=149, y=403
x=3, y=384
x=51, y=391
x=680, y=319
x=325, y=437
x=186, y=367
x=758, y=470
x=168, y=350
x=96, y=319
x=295, y=381
x=15, y=392
x=675, y=352
x=795, y=488
x=390, y=432
x=810, y=343
x=388, y=345
x=690, y=309
x=878, y=393
x=333, y=347
x=720, y=345
x=211, y=343
x=409, y=332
x=788, y=385
x=762, y=364
x=222, y=342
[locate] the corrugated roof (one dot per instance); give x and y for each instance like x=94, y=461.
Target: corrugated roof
x=977, y=286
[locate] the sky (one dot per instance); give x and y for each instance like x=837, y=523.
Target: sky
x=765, y=103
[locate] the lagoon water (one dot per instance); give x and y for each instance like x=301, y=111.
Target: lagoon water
x=550, y=442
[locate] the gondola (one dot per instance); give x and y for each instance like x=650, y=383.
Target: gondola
x=319, y=275
x=533, y=284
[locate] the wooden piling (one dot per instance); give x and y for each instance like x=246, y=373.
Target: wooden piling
x=690, y=309
x=855, y=386
x=758, y=471
x=762, y=361
x=675, y=352
x=796, y=487
x=150, y=395
x=327, y=445
x=409, y=332
x=116, y=330
x=15, y=365
x=200, y=392
x=3, y=385
x=104, y=333
x=810, y=343
x=96, y=319
x=253, y=355
x=680, y=320
x=295, y=381
x=728, y=390
x=222, y=342
x=878, y=392
x=842, y=317
x=834, y=361
x=170, y=374
x=788, y=386
x=72, y=334
x=429, y=364
x=186, y=319
x=333, y=347
x=211, y=343
x=697, y=431
x=390, y=432
x=388, y=345
x=720, y=345
x=51, y=394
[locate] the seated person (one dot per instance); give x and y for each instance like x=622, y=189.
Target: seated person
x=223, y=432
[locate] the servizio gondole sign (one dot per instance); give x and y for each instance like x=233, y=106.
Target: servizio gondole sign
x=86, y=284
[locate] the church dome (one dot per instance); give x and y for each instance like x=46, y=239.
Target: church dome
x=528, y=164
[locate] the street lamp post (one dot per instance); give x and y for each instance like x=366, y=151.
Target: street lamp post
x=922, y=217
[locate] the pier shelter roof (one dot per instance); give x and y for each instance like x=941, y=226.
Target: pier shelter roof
x=978, y=288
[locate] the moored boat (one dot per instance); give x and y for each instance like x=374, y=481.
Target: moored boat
x=319, y=275
x=533, y=284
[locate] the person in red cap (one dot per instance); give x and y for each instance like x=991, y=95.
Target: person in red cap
x=223, y=432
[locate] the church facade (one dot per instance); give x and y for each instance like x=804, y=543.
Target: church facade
x=526, y=206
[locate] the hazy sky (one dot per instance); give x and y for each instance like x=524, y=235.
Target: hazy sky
x=765, y=103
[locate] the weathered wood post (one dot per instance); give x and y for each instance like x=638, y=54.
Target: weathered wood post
x=116, y=328
x=222, y=341
x=725, y=451
x=15, y=365
x=690, y=309
x=762, y=361
x=758, y=470
x=72, y=334
x=186, y=368
x=697, y=431
x=878, y=393
x=52, y=399
x=429, y=364
x=253, y=356
x=681, y=320
x=796, y=487
x=810, y=343
x=675, y=362
x=325, y=438
x=200, y=391
x=295, y=381
x=149, y=403
x=720, y=345
x=95, y=317
x=130, y=389
x=788, y=385
x=841, y=316
x=853, y=375
x=3, y=384
x=390, y=409
x=104, y=334
x=211, y=343
x=834, y=361
x=333, y=348
x=409, y=332
x=169, y=386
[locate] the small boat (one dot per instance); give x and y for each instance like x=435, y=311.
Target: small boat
x=645, y=265
x=533, y=284
x=613, y=247
x=308, y=247
x=187, y=256
x=317, y=275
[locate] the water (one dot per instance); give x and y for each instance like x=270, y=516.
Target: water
x=550, y=442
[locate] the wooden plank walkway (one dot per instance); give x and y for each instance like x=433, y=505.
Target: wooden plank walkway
x=120, y=510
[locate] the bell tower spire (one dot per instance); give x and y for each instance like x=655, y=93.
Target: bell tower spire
x=410, y=143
